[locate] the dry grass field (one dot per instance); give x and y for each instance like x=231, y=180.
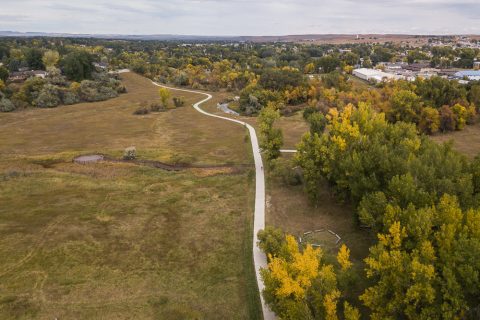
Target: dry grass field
x=289, y=208
x=109, y=127
x=118, y=240
x=466, y=141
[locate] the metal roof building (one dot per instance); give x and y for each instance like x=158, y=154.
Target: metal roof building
x=374, y=74
x=469, y=74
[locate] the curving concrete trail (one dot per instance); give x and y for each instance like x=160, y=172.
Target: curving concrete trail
x=259, y=258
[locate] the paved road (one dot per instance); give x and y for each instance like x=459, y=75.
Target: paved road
x=259, y=258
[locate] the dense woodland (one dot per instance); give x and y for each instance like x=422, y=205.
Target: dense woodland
x=367, y=142
x=292, y=76
x=71, y=76
x=420, y=198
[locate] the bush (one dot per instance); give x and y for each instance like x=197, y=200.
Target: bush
x=130, y=153
x=3, y=73
x=48, y=97
x=141, y=110
x=69, y=97
x=92, y=91
x=121, y=89
x=6, y=105
x=156, y=107
x=271, y=240
x=178, y=102
x=55, y=77
x=106, y=93
x=286, y=173
x=31, y=89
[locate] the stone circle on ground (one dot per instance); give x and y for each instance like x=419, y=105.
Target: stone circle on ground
x=323, y=238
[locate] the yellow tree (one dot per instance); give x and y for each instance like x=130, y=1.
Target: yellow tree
x=164, y=96
x=288, y=278
x=429, y=120
x=50, y=58
x=343, y=258
x=350, y=313
x=462, y=114
x=298, y=286
x=309, y=68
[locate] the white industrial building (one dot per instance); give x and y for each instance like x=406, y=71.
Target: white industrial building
x=375, y=75
x=472, y=75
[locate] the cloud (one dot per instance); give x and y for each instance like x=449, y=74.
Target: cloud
x=241, y=17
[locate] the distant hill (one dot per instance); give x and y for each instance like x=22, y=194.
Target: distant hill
x=313, y=38
x=163, y=37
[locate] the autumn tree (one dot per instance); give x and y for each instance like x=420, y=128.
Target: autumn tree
x=405, y=106
x=309, y=68
x=474, y=95
x=426, y=266
x=165, y=95
x=50, y=58
x=373, y=162
x=3, y=73
x=271, y=138
x=437, y=92
x=461, y=116
x=299, y=286
x=429, y=120
x=448, y=120
x=317, y=122
x=343, y=258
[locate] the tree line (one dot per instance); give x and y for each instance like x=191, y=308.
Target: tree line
x=419, y=197
x=70, y=76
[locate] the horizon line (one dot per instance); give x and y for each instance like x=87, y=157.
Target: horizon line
x=2, y=33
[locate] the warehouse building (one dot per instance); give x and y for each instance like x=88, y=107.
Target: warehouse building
x=374, y=75
x=472, y=75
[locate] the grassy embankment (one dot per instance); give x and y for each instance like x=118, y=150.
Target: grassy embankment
x=117, y=240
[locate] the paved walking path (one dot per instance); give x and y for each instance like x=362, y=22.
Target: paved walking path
x=259, y=258
x=224, y=107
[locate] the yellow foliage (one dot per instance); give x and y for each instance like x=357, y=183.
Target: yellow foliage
x=340, y=142
x=288, y=286
x=75, y=86
x=330, y=304
x=309, y=68
x=395, y=236
x=330, y=94
x=292, y=245
x=288, y=68
x=350, y=313
x=295, y=275
x=332, y=114
x=343, y=258
x=348, y=69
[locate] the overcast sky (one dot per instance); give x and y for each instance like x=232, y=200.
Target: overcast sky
x=242, y=17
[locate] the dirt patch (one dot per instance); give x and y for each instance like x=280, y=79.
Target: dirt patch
x=85, y=159
x=88, y=159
